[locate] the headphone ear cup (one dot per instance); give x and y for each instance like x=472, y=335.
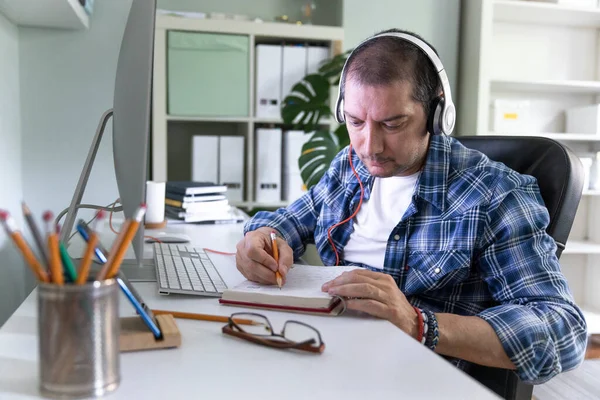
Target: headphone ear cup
x=340, y=111
x=434, y=119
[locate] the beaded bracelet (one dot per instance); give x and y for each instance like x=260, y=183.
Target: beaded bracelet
x=432, y=337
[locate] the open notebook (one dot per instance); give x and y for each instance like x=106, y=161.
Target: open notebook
x=301, y=292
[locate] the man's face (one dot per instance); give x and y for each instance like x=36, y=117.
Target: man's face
x=388, y=129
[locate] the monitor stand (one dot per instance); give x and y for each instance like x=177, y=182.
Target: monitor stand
x=139, y=273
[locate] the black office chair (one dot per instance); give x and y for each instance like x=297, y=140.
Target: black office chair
x=560, y=178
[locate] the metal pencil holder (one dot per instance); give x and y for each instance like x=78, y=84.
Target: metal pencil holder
x=78, y=329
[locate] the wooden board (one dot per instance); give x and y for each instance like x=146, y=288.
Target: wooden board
x=593, y=348
x=136, y=336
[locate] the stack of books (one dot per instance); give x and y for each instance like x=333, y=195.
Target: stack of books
x=199, y=202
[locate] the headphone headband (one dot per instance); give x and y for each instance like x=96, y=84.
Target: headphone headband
x=447, y=116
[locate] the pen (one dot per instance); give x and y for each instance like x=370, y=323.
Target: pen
x=53, y=250
x=85, y=233
x=206, y=317
x=10, y=226
x=86, y=262
x=276, y=257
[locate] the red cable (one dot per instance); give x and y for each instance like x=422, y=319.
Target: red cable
x=219, y=252
x=362, y=192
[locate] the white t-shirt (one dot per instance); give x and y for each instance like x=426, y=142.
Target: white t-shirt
x=377, y=217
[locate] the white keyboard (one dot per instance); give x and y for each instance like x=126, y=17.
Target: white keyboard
x=185, y=269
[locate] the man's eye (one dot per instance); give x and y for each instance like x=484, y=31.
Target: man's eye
x=391, y=127
x=355, y=123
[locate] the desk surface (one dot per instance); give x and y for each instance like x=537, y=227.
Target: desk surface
x=364, y=357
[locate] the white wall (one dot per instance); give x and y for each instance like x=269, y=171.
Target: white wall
x=15, y=279
x=437, y=21
x=67, y=82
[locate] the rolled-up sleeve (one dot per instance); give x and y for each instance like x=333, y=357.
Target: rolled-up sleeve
x=541, y=329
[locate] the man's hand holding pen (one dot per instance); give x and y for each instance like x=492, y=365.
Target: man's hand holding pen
x=255, y=257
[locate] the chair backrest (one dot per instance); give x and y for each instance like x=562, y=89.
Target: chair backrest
x=559, y=174
x=558, y=171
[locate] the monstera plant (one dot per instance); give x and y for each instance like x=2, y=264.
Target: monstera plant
x=305, y=108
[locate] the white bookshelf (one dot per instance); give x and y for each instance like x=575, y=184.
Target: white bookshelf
x=545, y=53
x=592, y=317
x=546, y=86
x=531, y=12
x=561, y=137
x=163, y=132
x=61, y=14
x=581, y=247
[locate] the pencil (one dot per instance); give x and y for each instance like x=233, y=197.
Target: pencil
x=35, y=232
x=53, y=250
x=67, y=263
x=276, y=257
x=205, y=317
x=10, y=226
x=115, y=257
x=86, y=262
x=113, y=250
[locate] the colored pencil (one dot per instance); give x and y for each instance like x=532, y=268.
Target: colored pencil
x=67, y=263
x=53, y=250
x=110, y=269
x=206, y=317
x=276, y=257
x=10, y=226
x=35, y=232
x=86, y=262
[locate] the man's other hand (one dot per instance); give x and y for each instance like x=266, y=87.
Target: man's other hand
x=254, y=256
x=377, y=294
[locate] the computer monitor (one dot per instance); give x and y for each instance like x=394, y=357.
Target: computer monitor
x=131, y=124
x=132, y=111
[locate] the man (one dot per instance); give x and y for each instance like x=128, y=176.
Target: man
x=446, y=237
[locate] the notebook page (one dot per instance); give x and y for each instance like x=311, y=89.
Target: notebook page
x=301, y=281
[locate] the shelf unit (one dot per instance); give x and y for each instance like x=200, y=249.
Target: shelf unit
x=531, y=12
x=547, y=54
x=171, y=133
x=545, y=86
x=62, y=14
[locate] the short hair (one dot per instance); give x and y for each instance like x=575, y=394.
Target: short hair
x=385, y=60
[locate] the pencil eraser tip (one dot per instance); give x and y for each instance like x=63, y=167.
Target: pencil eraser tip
x=47, y=216
x=100, y=214
x=3, y=215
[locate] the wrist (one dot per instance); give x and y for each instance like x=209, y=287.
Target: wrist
x=267, y=231
x=417, y=327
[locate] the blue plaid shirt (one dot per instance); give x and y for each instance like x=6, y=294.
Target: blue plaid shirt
x=472, y=242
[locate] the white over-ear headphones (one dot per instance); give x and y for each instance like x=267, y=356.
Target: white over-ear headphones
x=442, y=114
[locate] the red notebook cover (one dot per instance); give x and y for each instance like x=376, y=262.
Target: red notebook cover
x=329, y=310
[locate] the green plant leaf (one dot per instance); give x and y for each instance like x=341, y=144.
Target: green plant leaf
x=342, y=136
x=332, y=69
x=307, y=103
x=316, y=157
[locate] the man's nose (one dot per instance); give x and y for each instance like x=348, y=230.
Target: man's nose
x=373, y=140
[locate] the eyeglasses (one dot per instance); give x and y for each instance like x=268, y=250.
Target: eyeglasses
x=294, y=335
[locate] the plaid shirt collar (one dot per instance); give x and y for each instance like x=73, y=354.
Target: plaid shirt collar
x=432, y=184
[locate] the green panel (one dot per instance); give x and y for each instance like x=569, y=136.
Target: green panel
x=208, y=74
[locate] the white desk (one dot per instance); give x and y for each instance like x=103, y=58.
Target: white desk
x=363, y=358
